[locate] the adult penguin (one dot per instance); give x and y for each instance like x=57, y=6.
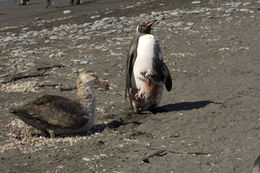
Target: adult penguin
x=146, y=73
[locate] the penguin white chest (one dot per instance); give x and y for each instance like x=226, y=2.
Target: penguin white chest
x=146, y=92
x=144, y=60
x=145, y=54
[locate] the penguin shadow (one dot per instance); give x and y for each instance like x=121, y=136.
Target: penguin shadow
x=183, y=106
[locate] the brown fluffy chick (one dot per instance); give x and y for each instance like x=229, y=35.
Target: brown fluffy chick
x=59, y=115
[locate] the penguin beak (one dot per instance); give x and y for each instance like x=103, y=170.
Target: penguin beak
x=149, y=24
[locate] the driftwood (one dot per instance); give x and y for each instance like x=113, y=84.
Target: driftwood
x=68, y=89
x=24, y=75
x=156, y=153
x=102, y=83
x=195, y=152
x=48, y=85
x=50, y=67
x=38, y=72
x=164, y=152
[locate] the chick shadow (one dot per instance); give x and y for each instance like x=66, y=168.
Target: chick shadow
x=115, y=124
x=183, y=106
x=97, y=128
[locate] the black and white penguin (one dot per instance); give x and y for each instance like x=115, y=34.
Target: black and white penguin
x=146, y=73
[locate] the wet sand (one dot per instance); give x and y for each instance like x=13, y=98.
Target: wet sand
x=209, y=122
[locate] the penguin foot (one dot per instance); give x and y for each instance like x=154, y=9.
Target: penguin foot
x=138, y=100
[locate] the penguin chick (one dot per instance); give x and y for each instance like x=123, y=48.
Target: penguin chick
x=59, y=115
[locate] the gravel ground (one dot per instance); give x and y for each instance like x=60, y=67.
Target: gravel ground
x=209, y=122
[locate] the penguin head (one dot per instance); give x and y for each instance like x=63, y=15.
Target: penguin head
x=145, y=27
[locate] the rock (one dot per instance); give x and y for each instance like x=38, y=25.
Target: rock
x=176, y=13
x=25, y=29
x=178, y=24
x=195, y=2
x=86, y=159
x=96, y=16
x=233, y=4
x=91, y=56
x=32, y=64
x=84, y=62
x=194, y=11
x=85, y=38
x=186, y=28
x=190, y=23
x=246, y=3
x=66, y=11
x=54, y=37
x=51, y=55
x=244, y=10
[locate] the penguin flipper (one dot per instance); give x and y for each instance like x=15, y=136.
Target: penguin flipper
x=129, y=69
x=168, y=78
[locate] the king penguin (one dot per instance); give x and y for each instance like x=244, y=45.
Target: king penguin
x=146, y=73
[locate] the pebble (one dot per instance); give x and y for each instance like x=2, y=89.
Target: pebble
x=76, y=38
x=51, y=55
x=30, y=52
x=53, y=37
x=178, y=24
x=233, y=4
x=66, y=11
x=96, y=16
x=32, y=64
x=195, y=2
x=190, y=23
x=86, y=159
x=91, y=56
x=244, y=10
x=84, y=62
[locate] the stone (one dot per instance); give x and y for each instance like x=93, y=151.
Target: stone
x=66, y=11
x=195, y=2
